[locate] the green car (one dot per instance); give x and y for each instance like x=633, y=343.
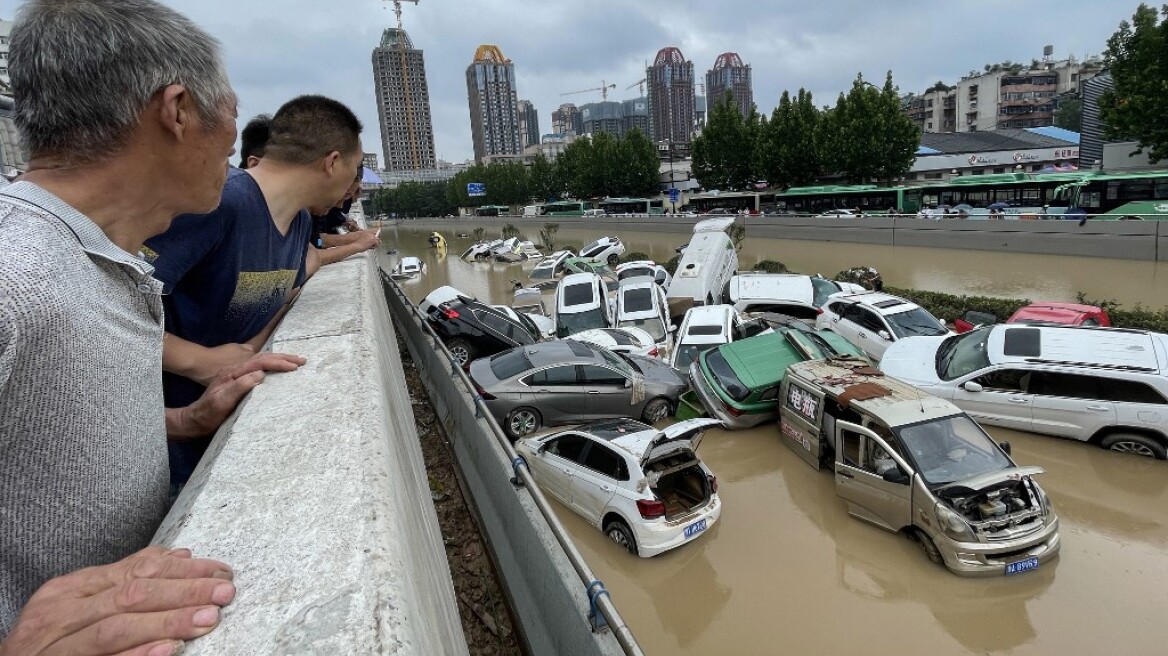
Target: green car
x=739, y=382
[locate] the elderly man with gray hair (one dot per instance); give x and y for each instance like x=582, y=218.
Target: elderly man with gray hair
x=129, y=119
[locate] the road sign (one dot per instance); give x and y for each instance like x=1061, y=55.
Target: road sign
x=674, y=195
x=476, y=189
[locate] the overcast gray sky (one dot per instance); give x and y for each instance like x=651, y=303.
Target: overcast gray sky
x=277, y=49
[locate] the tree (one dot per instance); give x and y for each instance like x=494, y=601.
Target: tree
x=1069, y=115
x=1137, y=56
x=603, y=165
x=541, y=180
x=723, y=154
x=866, y=136
x=790, y=151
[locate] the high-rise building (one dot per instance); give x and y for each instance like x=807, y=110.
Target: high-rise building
x=403, y=103
x=528, y=124
x=607, y=116
x=567, y=119
x=730, y=74
x=670, y=83
x=494, y=104
x=637, y=115
x=369, y=161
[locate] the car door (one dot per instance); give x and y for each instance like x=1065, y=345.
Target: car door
x=556, y=392
x=843, y=320
x=606, y=393
x=1004, y=398
x=861, y=457
x=557, y=463
x=595, y=481
x=1070, y=405
x=869, y=325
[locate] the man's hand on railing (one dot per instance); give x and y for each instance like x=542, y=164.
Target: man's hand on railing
x=144, y=605
x=204, y=416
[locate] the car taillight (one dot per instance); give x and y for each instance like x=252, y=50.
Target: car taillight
x=713, y=485
x=486, y=396
x=818, y=311
x=650, y=508
x=449, y=313
x=734, y=412
x=653, y=353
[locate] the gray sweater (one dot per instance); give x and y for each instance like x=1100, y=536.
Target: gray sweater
x=83, y=469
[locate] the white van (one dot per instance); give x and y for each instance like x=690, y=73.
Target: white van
x=707, y=264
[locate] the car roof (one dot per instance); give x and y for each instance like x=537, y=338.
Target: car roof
x=777, y=286
x=611, y=429
x=562, y=351
x=879, y=302
x=760, y=360
x=1114, y=348
x=903, y=405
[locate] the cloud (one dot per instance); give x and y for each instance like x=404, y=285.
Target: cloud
x=276, y=50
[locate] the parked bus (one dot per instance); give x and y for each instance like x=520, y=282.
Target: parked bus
x=868, y=199
x=1119, y=195
x=493, y=210
x=632, y=205
x=734, y=201
x=566, y=208
x=1018, y=195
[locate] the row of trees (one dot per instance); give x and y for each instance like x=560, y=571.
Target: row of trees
x=865, y=137
x=596, y=167
x=1137, y=57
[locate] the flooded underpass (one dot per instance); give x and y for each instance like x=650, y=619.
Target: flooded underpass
x=786, y=570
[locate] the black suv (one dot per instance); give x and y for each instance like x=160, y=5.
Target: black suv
x=471, y=330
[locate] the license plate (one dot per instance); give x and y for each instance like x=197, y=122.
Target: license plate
x=1021, y=566
x=700, y=525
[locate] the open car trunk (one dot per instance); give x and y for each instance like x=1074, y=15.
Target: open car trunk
x=679, y=483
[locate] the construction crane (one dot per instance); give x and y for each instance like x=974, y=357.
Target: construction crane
x=603, y=89
x=397, y=10
x=640, y=84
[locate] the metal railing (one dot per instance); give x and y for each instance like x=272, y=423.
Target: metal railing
x=604, y=613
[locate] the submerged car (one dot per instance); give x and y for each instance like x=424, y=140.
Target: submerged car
x=551, y=266
x=738, y=383
x=792, y=294
x=605, y=249
x=648, y=268
x=708, y=326
x=874, y=320
x=566, y=382
x=470, y=329
x=645, y=488
x=1104, y=386
x=632, y=341
x=409, y=267
x=481, y=250
x=582, y=303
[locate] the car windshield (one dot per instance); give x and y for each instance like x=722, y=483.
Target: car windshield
x=574, y=322
x=578, y=294
x=687, y=353
x=726, y=376
x=510, y=363
x=915, y=323
x=951, y=449
x=822, y=289
x=963, y=354
x=652, y=325
x=634, y=272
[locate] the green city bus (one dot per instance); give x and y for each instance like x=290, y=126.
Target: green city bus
x=565, y=208
x=493, y=210
x=632, y=206
x=1122, y=196
x=868, y=199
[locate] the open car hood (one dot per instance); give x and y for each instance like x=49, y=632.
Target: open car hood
x=682, y=436
x=977, y=483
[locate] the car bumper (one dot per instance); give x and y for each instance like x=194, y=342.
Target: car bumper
x=978, y=559
x=713, y=405
x=658, y=537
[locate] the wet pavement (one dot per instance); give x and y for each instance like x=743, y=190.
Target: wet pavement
x=786, y=570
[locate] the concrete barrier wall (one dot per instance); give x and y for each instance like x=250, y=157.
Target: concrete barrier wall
x=1130, y=240
x=547, y=595
x=316, y=493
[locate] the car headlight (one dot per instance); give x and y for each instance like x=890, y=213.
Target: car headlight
x=1043, y=500
x=953, y=525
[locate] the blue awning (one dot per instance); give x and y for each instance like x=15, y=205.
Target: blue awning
x=925, y=150
x=369, y=177
x=1056, y=133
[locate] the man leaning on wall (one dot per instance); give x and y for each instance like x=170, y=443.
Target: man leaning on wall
x=128, y=117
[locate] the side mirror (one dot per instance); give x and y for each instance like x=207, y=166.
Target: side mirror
x=970, y=386
x=1005, y=447
x=894, y=475
x=883, y=334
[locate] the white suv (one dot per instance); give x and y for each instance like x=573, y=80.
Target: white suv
x=1100, y=385
x=873, y=320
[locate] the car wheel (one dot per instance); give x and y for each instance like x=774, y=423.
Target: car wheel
x=461, y=350
x=613, y=260
x=929, y=547
x=522, y=422
x=655, y=410
x=620, y=533
x=1136, y=444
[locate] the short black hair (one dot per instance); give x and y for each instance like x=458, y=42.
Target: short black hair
x=308, y=128
x=254, y=138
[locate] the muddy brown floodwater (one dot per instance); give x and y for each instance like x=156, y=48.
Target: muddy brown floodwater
x=786, y=570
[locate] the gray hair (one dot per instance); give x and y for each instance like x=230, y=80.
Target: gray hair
x=83, y=71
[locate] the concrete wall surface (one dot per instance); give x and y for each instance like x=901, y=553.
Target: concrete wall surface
x=316, y=494
x=548, y=596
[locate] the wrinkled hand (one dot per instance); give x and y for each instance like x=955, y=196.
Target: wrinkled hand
x=367, y=239
x=143, y=605
x=204, y=416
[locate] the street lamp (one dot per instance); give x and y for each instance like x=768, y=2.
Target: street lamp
x=672, y=195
